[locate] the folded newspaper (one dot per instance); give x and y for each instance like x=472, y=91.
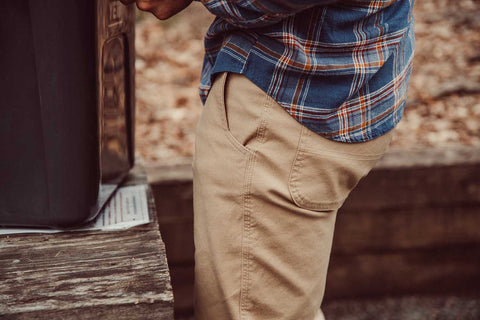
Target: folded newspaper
x=127, y=208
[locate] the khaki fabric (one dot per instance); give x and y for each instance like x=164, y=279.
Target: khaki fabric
x=266, y=194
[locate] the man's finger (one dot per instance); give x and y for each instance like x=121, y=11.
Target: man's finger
x=149, y=5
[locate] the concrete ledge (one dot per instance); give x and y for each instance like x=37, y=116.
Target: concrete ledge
x=410, y=227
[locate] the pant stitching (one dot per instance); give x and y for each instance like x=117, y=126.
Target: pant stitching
x=246, y=241
x=262, y=128
x=245, y=303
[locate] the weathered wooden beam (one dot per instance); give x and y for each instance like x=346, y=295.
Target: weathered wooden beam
x=387, y=188
x=380, y=231
x=447, y=270
x=87, y=275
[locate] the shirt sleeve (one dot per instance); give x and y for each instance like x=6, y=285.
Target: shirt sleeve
x=258, y=13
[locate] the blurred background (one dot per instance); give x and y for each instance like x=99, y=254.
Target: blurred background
x=407, y=242
x=443, y=108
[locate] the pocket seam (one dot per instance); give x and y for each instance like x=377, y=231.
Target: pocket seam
x=343, y=155
x=222, y=105
x=298, y=164
x=263, y=125
x=299, y=199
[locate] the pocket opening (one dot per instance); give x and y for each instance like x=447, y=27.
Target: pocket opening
x=233, y=108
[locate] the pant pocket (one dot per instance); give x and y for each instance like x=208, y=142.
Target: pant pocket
x=324, y=172
x=243, y=111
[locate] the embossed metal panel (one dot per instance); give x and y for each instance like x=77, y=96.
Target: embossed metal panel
x=115, y=63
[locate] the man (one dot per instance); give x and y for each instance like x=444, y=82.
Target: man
x=300, y=100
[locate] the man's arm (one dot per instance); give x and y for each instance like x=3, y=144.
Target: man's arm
x=241, y=13
x=258, y=13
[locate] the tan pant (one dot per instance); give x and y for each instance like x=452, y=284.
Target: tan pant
x=266, y=194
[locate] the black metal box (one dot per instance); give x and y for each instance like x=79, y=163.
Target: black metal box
x=66, y=108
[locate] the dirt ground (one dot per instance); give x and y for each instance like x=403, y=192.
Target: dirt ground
x=443, y=108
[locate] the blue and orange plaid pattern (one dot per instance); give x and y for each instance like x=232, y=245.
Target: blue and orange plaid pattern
x=340, y=67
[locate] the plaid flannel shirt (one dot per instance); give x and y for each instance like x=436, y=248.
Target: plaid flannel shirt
x=339, y=67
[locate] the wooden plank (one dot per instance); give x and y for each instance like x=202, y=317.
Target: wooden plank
x=182, y=282
x=87, y=275
x=421, y=178
x=443, y=270
x=181, y=172
x=175, y=200
x=363, y=230
x=390, y=209
x=429, y=157
x=417, y=187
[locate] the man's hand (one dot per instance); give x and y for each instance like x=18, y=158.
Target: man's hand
x=162, y=9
